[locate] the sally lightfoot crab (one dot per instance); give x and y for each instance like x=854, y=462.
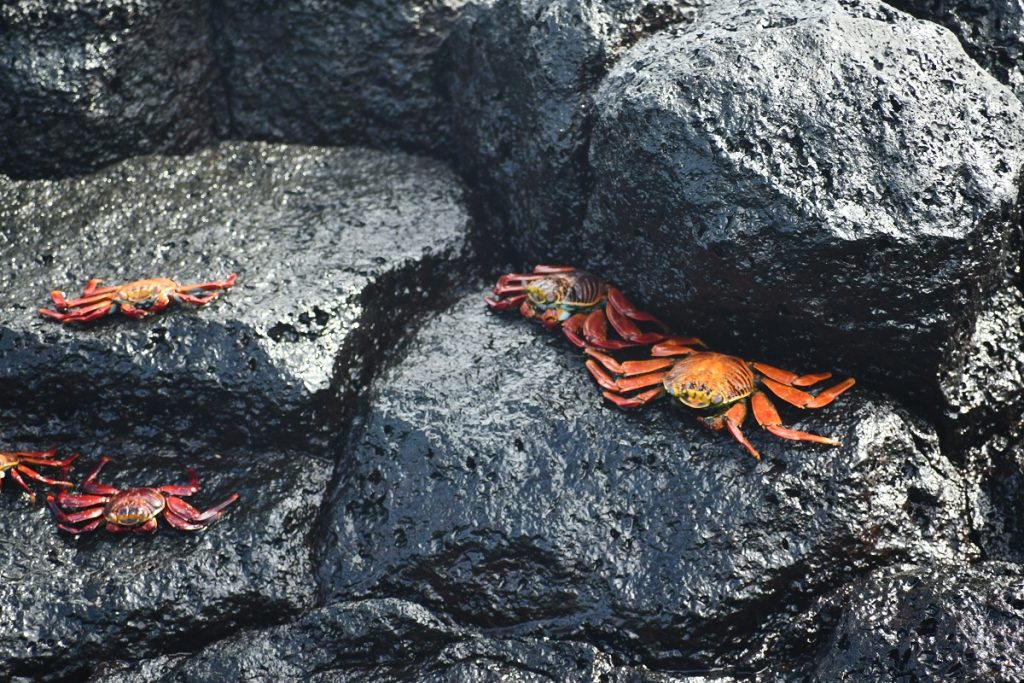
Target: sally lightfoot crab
x=714, y=383
x=16, y=463
x=131, y=509
x=578, y=301
x=137, y=299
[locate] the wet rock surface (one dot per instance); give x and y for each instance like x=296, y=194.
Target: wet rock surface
x=992, y=32
x=922, y=623
x=334, y=249
x=865, y=220
x=432, y=492
x=328, y=73
x=73, y=602
x=541, y=511
x=87, y=82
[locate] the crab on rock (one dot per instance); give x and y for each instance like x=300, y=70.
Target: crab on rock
x=131, y=509
x=715, y=383
x=580, y=302
x=137, y=299
x=16, y=463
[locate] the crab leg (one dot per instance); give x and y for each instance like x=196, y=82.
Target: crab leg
x=628, y=330
x=606, y=360
x=74, y=501
x=573, y=328
x=38, y=459
x=21, y=482
x=790, y=378
x=226, y=283
x=640, y=381
x=634, y=401
x=549, y=270
x=85, y=314
x=182, y=489
x=676, y=346
x=197, y=300
x=504, y=304
x=32, y=474
x=87, y=298
x=91, y=526
x=731, y=420
x=90, y=485
x=147, y=527
x=135, y=312
x=595, y=329
x=179, y=523
x=73, y=517
x=802, y=399
x=768, y=417
x=190, y=514
x=621, y=304
x=38, y=455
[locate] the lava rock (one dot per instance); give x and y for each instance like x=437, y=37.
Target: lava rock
x=520, y=81
x=384, y=640
x=72, y=602
x=490, y=482
x=86, y=82
x=991, y=31
x=335, y=250
x=324, y=72
x=860, y=223
x=934, y=623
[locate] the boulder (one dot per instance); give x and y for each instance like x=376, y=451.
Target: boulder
x=335, y=250
x=490, y=482
x=831, y=182
x=324, y=72
x=87, y=82
x=933, y=623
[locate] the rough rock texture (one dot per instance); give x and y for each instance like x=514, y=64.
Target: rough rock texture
x=70, y=602
x=933, y=623
x=336, y=73
x=334, y=250
x=384, y=640
x=860, y=223
x=520, y=83
x=992, y=32
x=489, y=482
x=85, y=82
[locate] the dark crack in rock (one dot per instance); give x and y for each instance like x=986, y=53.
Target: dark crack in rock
x=324, y=72
x=930, y=623
x=520, y=82
x=335, y=250
x=87, y=82
x=385, y=641
x=490, y=482
x=69, y=603
x=992, y=32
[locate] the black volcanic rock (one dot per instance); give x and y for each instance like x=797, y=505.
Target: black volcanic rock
x=931, y=623
x=86, y=82
x=490, y=482
x=385, y=641
x=992, y=32
x=520, y=84
x=830, y=181
x=335, y=250
x=322, y=72
x=70, y=603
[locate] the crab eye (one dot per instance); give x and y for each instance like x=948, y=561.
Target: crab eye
x=716, y=399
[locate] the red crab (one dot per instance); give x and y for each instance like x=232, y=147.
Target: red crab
x=582, y=303
x=17, y=464
x=137, y=299
x=717, y=384
x=131, y=509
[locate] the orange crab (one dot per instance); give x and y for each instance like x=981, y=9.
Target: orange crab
x=581, y=303
x=715, y=383
x=137, y=299
x=16, y=463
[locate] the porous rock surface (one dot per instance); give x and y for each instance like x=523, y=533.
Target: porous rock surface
x=87, y=82
x=539, y=510
x=925, y=623
x=334, y=249
x=887, y=194
x=991, y=31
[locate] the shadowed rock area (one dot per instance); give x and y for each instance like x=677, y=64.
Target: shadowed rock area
x=933, y=623
x=87, y=82
x=489, y=482
x=334, y=249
